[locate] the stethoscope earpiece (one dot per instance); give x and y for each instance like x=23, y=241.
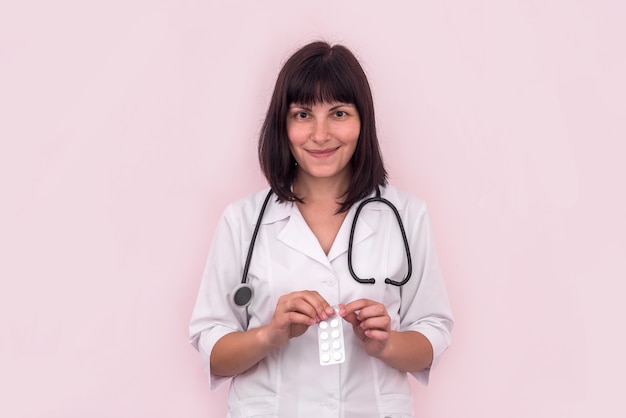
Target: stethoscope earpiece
x=242, y=295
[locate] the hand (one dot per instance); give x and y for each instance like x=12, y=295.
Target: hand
x=370, y=323
x=295, y=312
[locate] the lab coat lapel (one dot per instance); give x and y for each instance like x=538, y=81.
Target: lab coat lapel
x=299, y=236
x=362, y=231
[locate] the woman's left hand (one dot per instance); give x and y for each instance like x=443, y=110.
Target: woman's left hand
x=370, y=323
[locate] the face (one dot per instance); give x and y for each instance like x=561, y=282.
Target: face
x=322, y=138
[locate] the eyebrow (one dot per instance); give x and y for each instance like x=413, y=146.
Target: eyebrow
x=340, y=105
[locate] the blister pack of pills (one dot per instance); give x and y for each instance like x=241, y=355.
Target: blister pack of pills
x=330, y=340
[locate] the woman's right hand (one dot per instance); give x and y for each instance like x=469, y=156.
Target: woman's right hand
x=295, y=312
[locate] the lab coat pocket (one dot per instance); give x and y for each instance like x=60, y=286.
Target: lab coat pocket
x=255, y=407
x=396, y=406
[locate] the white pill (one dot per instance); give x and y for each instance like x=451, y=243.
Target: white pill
x=325, y=358
x=334, y=334
x=323, y=325
x=323, y=335
x=325, y=346
x=336, y=345
x=334, y=323
x=337, y=356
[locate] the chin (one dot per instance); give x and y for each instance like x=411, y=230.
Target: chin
x=324, y=174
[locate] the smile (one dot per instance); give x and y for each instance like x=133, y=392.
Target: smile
x=322, y=153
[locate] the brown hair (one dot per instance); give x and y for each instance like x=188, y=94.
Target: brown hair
x=319, y=72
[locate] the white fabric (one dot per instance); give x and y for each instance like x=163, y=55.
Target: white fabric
x=287, y=257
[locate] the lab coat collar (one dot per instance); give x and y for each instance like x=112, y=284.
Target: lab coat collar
x=363, y=230
x=275, y=211
x=366, y=224
x=299, y=236
x=296, y=233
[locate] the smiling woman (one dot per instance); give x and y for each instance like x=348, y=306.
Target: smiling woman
x=319, y=152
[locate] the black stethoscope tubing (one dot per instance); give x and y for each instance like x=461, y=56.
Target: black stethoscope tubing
x=243, y=293
x=378, y=198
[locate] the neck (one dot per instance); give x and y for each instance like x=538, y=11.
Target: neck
x=314, y=189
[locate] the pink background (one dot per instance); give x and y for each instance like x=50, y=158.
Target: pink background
x=127, y=126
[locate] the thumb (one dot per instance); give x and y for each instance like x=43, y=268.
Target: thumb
x=351, y=318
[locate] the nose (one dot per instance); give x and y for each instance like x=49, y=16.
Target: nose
x=320, y=132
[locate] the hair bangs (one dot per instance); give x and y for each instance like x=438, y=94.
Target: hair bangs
x=320, y=84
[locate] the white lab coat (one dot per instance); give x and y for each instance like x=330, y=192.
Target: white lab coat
x=290, y=382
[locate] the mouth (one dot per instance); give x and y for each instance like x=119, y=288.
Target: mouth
x=323, y=153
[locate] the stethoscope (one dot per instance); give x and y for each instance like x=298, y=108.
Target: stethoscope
x=242, y=294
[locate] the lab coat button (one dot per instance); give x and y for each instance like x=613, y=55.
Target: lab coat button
x=331, y=281
x=331, y=404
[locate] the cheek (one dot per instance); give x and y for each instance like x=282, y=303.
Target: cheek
x=351, y=133
x=296, y=135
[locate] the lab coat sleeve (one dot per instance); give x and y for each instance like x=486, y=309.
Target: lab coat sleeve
x=425, y=307
x=213, y=315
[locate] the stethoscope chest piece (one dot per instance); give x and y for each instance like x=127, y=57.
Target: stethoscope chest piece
x=242, y=295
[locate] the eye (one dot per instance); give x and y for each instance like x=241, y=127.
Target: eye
x=301, y=115
x=340, y=113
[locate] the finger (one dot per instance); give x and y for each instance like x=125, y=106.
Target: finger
x=322, y=308
x=357, y=305
x=352, y=319
x=290, y=311
x=372, y=311
x=299, y=318
x=379, y=322
x=377, y=335
x=310, y=303
x=299, y=306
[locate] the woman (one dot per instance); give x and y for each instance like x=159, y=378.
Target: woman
x=319, y=152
